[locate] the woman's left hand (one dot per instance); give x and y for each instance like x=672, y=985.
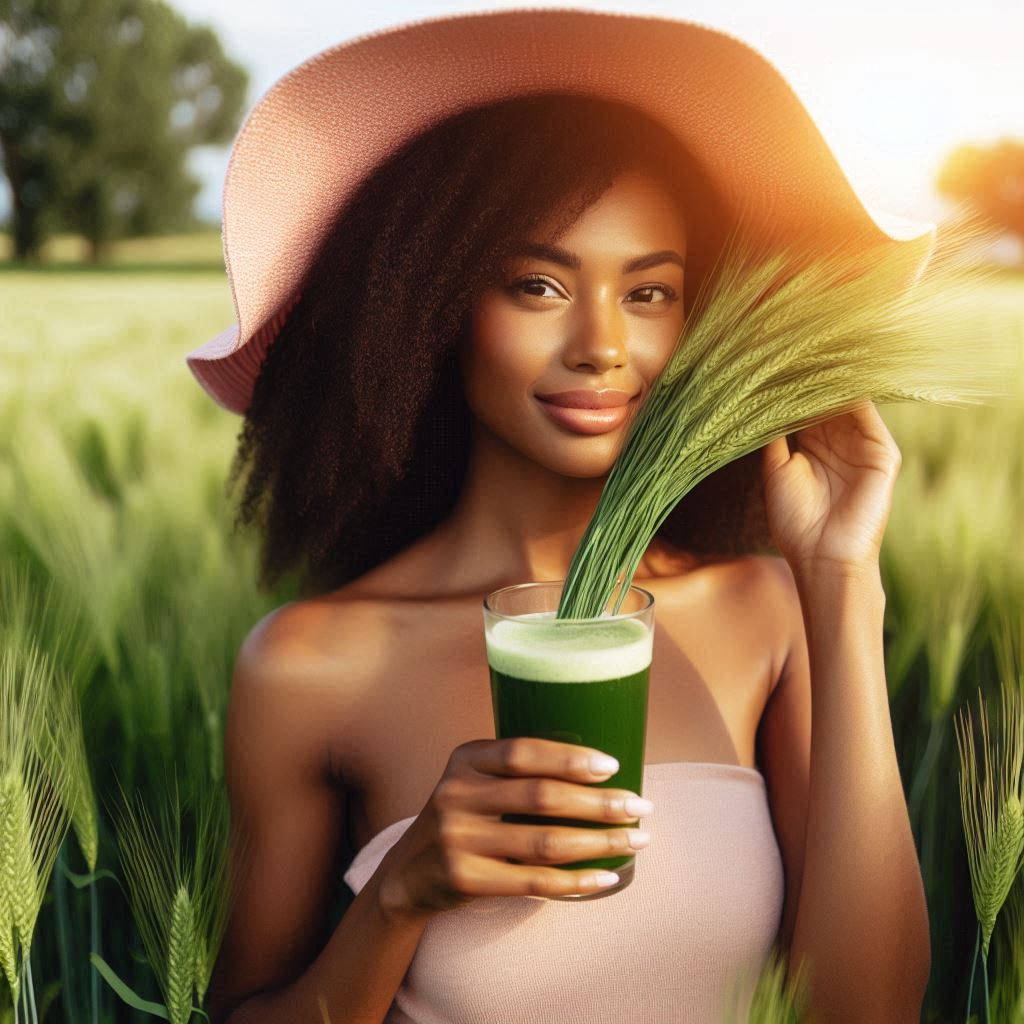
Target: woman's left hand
x=828, y=500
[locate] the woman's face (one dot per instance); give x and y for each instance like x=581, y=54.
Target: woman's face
x=579, y=317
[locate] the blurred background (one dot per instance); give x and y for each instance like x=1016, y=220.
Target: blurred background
x=117, y=118
x=118, y=555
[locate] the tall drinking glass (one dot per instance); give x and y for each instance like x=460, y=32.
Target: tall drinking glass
x=581, y=681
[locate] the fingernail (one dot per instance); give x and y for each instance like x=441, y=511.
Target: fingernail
x=638, y=839
x=602, y=764
x=637, y=805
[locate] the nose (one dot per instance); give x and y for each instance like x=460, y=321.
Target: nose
x=597, y=337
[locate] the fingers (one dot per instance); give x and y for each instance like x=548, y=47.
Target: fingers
x=541, y=844
x=482, y=876
x=491, y=779
x=774, y=454
x=547, y=797
x=527, y=755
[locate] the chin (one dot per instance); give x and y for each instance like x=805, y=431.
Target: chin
x=566, y=453
x=580, y=457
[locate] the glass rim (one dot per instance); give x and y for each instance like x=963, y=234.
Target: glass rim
x=648, y=602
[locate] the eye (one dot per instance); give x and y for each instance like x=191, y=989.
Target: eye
x=669, y=293
x=533, y=282
x=540, y=282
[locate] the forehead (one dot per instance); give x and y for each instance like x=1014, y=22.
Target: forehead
x=567, y=258
x=636, y=214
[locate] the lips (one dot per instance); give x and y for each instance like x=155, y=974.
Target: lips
x=586, y=421
x=606, y=398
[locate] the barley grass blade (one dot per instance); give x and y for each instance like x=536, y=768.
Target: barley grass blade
x=777, y=343
x=43, y=616
x=70, y=530
x=1008, y=639
x=19, y=872
x=775, y=998
x=213, y=882
x=10, y=787
x=33, y=820
x=181, y=958
x=151, y=864
x=991, y=808
x=63, y=742
x=39, y=609
x=1008, y=993
x=180, y=898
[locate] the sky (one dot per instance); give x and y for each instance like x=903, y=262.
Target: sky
x=893, y=85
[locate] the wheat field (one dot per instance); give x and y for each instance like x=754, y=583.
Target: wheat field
x=120, y=562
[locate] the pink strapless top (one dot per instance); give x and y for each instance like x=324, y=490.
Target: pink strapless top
x=683, y=942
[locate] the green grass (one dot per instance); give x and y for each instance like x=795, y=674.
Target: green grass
x=112, y=471
x=198, y=250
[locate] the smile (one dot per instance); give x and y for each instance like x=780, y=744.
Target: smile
x=587, y=421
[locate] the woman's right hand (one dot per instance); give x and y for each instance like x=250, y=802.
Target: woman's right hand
x=456, y=847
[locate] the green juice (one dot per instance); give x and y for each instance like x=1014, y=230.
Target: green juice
x=575, y=683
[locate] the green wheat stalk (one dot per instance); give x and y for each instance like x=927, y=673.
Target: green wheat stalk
x=179, y=899
x=993, y=819
x=778, y=995
x=33, y=819
x=45, y=617
x=181, y=961
x=1008, y=994
x=214, y=883
x=776, y=343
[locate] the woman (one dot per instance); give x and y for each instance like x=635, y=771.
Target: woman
x=401, y=459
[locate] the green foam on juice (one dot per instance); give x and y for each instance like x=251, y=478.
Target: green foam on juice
x=561, y=651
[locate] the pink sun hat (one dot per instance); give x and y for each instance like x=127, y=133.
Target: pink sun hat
x=324, y=127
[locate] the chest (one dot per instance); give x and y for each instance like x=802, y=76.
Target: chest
x=709, y=681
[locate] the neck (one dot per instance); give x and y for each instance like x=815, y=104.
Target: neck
x=520, y=520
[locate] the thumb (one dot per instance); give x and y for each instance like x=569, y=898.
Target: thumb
x=774, y=455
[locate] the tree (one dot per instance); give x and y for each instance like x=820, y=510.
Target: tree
x=991, y=179
x=100, y=103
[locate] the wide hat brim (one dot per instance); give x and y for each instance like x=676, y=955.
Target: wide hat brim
x=323, y=128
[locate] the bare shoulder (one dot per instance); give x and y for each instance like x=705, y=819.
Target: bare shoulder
x=764, y=585
x=301, y=671
x=307, y=637
x=755, y=572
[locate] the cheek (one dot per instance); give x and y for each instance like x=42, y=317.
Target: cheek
x=653, y=357
x=501, y=361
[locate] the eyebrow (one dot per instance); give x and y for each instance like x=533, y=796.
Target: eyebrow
x=556, y=254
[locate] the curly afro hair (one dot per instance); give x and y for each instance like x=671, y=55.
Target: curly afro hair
x=356, y=441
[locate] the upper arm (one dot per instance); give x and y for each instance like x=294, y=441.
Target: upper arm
x=784, y=739
x=286, y=814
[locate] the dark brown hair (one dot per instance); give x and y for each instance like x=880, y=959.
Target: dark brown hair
x=357, y=438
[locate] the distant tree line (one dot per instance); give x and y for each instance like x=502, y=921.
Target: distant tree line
x=102, y=100
x=991, y=178
x=100, y=103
